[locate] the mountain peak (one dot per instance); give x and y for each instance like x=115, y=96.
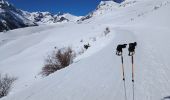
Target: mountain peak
x=4, y=3
x=109, y=3
x=116, y=1
x=11, y=17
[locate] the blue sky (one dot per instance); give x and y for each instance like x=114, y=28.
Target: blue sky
x=76, y=7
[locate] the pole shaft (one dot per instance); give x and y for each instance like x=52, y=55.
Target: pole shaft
x=124, y=77
x=132, y=69
x=133, y=91
x=125, y=90
x=123, y=69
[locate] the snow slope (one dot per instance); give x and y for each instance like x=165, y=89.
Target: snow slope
x=96, y=74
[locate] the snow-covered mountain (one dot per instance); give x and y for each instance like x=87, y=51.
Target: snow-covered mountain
x=40, y=17
x=102, y=8
x=66, y=16
x=12, y=18
x=96, y=73
x=47, y=17
x=106, y=7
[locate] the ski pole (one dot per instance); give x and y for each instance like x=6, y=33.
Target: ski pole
x=125, y=90
x=133, y=91
x=123, y=68
x=124, y=77
x=132, y=69
x=133, y=78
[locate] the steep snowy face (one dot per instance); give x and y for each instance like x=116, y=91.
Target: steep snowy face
x=131, y=8
x=102, y=8
x=106, y=6
x=12, y=18
x=4, y=4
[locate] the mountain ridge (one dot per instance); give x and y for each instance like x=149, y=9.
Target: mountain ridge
x=13, y=18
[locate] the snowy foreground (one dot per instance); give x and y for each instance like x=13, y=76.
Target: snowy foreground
x=95, y=74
